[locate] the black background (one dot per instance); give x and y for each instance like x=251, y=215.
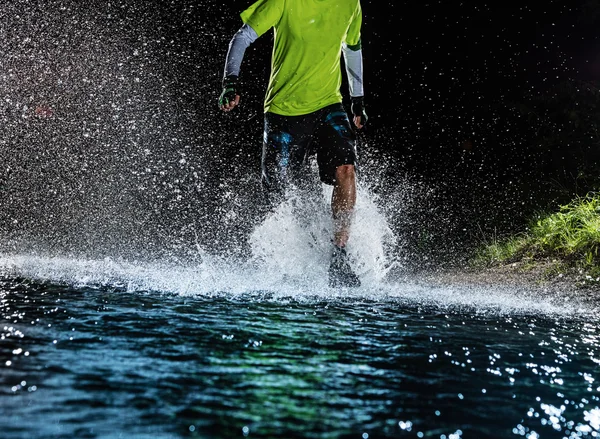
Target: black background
x=480, y=114
x=491, y=107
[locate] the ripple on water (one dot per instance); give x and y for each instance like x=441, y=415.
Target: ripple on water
x=391, y=361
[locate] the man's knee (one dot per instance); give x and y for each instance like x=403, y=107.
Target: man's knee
x=344, y=174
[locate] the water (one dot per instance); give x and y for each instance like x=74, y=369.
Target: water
x=105, y=349
x=145, y=292
x=228, y=343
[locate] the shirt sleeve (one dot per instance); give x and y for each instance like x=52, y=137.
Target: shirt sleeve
x=354, y=69
x=237, y=47
x=263, y=15
x=353, y=35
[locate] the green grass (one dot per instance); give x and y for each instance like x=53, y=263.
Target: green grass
x=571, y=235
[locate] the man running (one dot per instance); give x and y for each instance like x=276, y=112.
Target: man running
x=303, y=105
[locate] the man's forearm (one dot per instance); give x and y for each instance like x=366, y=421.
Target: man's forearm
x=354, y=69
x=237, y=47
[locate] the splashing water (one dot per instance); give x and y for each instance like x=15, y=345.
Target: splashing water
x=291, y=246
x=289, y=258
x=294, y=242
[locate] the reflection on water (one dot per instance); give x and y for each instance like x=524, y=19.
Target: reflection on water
x=103, y=362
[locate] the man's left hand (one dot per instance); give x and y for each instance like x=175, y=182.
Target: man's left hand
x=358, y=110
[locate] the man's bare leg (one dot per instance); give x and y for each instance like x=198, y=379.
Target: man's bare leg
x=342, y=203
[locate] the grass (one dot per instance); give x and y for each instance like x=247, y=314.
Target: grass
x=571, y=235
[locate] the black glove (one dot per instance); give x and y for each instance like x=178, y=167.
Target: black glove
x=230, y=90
x=358, y=109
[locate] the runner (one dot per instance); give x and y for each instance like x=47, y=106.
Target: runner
x=303, y=105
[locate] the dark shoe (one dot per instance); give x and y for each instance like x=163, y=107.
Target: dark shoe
x=340, y=272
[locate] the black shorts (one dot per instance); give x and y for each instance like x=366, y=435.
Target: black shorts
x=289, y=141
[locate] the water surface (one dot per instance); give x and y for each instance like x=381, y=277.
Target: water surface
x=84, y=358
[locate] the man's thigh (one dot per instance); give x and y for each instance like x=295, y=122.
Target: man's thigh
x=336, y=142
x=286, y=146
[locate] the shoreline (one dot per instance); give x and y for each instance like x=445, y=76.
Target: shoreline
x=546, y=276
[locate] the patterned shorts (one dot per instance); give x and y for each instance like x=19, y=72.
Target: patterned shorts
x=289, y=141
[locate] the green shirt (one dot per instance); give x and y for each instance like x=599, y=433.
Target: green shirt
x=305, y=68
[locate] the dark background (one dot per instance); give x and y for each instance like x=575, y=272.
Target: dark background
x=481, y=116
x=491, y=109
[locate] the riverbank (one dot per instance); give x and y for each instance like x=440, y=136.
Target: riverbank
x=549, y=276
x=559, y=251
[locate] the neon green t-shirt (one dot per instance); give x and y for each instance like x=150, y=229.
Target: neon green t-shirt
x=305, y=67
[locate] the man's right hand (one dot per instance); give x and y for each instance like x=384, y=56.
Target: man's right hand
x=229, y=98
